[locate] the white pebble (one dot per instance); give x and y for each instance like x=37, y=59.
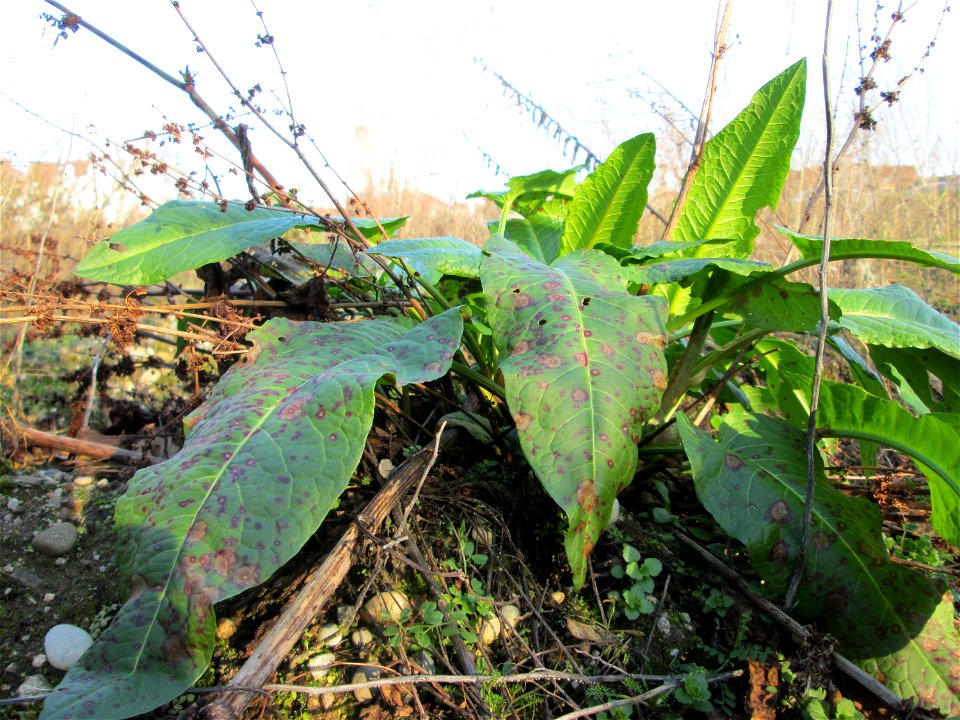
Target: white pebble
x=64, y=644
x=330, y=635
x=38, y=660
x=319, y=664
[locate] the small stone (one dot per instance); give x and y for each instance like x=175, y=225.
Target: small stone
x=327, y=700
x=56, y=540
x=364, y=695
x=28, y=481
x=330, y=635
x=49, y=597
x=511, y=614
x=489, y=630
x=663, y=625
x=319, y=664
x=385, y=468
x=558, y=597
x=225, y=629
x=361, y=637
x=386, y=606
x=14, y=505
x=32, y=686
x=38, y=660
x=83, y=481
x=64, y=644
x=102, y=483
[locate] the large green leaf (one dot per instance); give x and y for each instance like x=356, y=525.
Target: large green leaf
x=934, y=680
x=337, y=256
x=752, y=479
x=184, y=235
x=778, y=305
x=911, y=370
x=265, y=458
x=850, y=411
x=538, y=236
x=583, y=367
x=608, y=205
x=744, y=166
x=811, y=248
x=668, y=271
x=895, y=316
x=529, y=193
x=435, y=257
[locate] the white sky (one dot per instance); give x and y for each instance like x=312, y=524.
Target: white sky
x=406, y=72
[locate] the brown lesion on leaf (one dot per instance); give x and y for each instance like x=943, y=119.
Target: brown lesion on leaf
x=779, y=512
x=780, y=552
x=549, y=360
x=732, y=461
x=587, y=496
x=522, y=420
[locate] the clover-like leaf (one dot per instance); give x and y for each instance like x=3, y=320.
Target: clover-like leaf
x=583, y=367
x=265, y=458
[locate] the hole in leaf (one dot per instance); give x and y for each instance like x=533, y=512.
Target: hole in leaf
x=586, y=301
x=516, y=290
x=281, y=339
x=542, y=322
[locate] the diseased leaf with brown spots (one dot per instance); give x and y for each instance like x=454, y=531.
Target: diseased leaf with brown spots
x=265, y=458
x=752, y=479
x=583, y=366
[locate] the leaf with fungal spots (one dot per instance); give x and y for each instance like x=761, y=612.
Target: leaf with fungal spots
x=583, y=366
x=265, y=458
x=752, y=479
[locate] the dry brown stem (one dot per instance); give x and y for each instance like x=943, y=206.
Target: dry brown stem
x=719, y=49
x=87, y=448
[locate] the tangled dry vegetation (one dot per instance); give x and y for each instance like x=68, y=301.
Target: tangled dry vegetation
x=439, y=584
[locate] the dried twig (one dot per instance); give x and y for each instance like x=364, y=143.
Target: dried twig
x=719, y=49
x=666, y=687
x=533, y=676
x=87, y=448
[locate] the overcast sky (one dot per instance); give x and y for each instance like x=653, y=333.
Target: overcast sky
x=394, y=86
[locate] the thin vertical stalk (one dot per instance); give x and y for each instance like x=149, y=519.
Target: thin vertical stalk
x=719, y=49
x=822, y=328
